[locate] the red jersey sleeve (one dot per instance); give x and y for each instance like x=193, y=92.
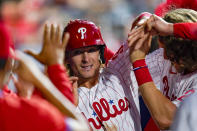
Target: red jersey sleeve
x=108, y=54
x=57, y=74
x=185, y=30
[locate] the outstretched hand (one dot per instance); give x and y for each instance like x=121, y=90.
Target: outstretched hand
x=139, y=42
x=53, y=49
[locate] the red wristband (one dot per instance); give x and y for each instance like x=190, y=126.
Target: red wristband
x=142, y=74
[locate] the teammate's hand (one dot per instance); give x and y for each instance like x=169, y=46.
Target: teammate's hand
x=139, y=41
x=53, y=49
x=159, y=26
x=74, y=82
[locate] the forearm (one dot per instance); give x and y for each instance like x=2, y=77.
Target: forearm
x=162, y=109
x=49, y=91
x=58, y=99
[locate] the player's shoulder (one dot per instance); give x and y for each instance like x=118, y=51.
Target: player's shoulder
x=158, y=52
x=155, y=56
x=190, y=101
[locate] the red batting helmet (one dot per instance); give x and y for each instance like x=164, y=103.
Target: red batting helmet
x=83, y=33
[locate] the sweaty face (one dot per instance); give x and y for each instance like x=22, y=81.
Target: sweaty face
x=85, y=62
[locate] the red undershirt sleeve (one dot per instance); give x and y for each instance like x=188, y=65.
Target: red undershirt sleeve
x=108, y=54
x=57, y=74
x=185, y=30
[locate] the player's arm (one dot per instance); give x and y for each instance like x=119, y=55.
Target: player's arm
x=28, y=71
x=163, y=28
x=161, y=109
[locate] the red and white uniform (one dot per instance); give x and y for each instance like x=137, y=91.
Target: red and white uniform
x=114, y=100
x=173, y=85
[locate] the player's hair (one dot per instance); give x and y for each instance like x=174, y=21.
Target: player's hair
x=178, y=49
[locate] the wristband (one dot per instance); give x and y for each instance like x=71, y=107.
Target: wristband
x=141, y=72
x=139, y=67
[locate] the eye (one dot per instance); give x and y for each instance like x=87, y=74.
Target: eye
x=77, y=52
x=93, y=50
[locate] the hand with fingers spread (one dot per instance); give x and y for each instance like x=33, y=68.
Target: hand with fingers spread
x=139, y=41
x=53, y=47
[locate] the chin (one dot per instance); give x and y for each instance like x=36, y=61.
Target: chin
x=88, y=75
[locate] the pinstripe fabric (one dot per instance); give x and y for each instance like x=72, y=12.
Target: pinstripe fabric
x=114, y=100
x=172, y=84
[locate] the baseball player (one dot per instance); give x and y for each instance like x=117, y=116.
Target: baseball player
x=183, y=30
x=108, y=97
x=172, y=68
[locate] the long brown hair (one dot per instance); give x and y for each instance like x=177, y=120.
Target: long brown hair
x=184, y=50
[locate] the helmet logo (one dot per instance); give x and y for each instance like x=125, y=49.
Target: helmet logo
x=82, y=30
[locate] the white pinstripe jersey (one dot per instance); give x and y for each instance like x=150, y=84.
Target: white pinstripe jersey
x=114, y=100
x=172, y=84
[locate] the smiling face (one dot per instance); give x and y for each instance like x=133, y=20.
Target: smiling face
x=85, y=62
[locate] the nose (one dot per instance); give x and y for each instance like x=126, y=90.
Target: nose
x=85, y=57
